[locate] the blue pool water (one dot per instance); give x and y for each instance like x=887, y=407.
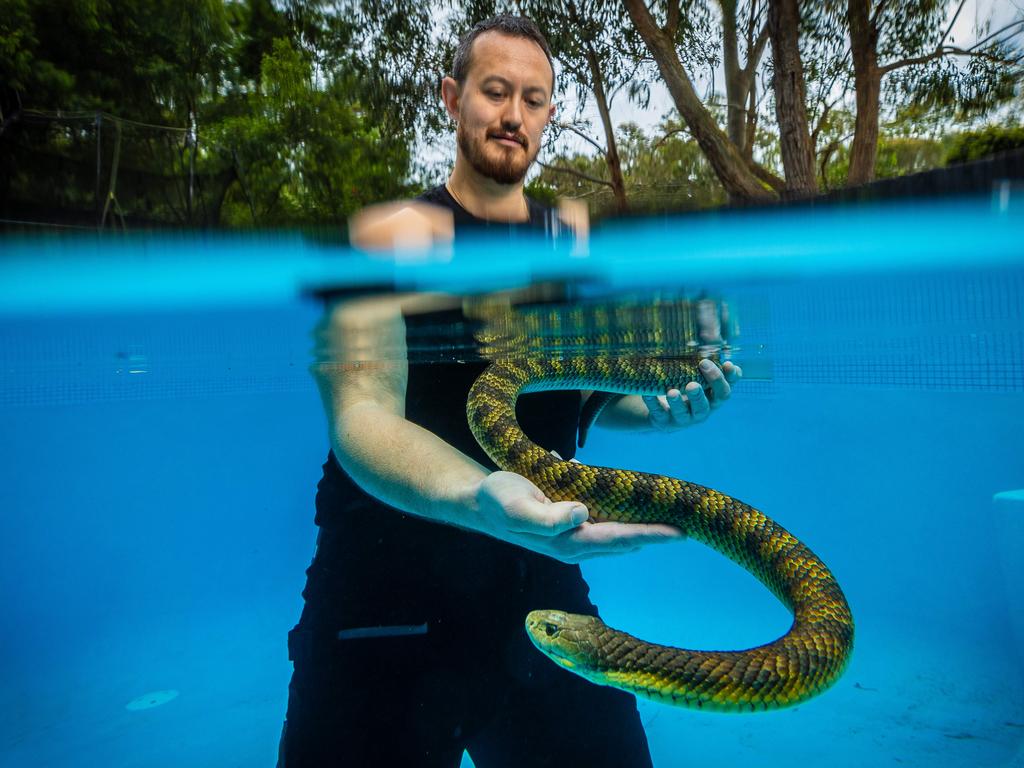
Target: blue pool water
x=163, y=439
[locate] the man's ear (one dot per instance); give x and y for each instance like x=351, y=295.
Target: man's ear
x=450, y=95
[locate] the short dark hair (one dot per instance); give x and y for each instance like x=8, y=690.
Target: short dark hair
x=513, y=26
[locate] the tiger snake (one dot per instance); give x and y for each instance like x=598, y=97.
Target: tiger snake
x=805, y=661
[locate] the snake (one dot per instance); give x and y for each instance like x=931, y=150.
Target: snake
x=808, y=659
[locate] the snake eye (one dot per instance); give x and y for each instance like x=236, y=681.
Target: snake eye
x=550, y=629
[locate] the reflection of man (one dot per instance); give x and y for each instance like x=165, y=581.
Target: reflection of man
x=411, y=646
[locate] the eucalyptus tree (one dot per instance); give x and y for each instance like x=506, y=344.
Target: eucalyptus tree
x=599, y=60
x=662, y=170
x=745, y=31
x=791, y=98
x=905, y=50
x=671, y=30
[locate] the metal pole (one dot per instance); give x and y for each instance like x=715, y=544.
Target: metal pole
x=193, y=140
x=99, y=168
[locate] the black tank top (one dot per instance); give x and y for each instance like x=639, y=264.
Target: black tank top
x=436, y=393
x=378, y=565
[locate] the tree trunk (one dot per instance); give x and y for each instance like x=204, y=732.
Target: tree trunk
x=791, y=98
x=867, y=80
x=751, y=135
x=612, y=151
x=737, y=90
x=739, y=181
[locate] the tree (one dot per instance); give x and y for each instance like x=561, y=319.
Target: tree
x=596, y=58
x=991, y=140
x=791, y=97
x=79, y=68
x=177, y=113
x=666, y=170
x=736, y=175
x=741, y=76
x=908, y=44
x=304, y=153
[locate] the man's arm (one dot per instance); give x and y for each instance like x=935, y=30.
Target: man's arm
x=362, y=378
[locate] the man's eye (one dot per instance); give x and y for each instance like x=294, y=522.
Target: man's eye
x=494, y=94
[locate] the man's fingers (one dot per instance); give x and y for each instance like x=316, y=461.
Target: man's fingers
x=699, y=405
x=733, y=372
x=616, y=536
x=679, y=407
x=660, y=415
x=717, y=382
x=545, y=518
x=592, y=540
x=599, y=540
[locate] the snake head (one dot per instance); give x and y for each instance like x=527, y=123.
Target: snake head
x=566, y=638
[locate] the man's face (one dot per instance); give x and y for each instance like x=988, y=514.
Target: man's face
x=504, y=104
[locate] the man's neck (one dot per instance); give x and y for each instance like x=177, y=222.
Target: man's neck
x=486, y=198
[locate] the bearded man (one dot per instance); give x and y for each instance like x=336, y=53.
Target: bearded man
x=411, y=647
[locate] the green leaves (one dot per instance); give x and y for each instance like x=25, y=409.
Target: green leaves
x=303, y=152
x=974, y=145
x=253, y=115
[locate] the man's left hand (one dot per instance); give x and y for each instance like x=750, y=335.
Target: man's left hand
x=675, y=410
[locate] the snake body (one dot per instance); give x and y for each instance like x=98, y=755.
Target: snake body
x=805, y=661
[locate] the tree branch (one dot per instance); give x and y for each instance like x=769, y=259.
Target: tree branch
x=751, y=23
x=754, y=54
x=769, y=178
x=1011, y=25
x=581, y=134
x=826, y=106
x=669, y=135
x=953, y=20
x=938, y=53
x=878, y=13
x=672, y=22
x=625, y=81
x=574, y=172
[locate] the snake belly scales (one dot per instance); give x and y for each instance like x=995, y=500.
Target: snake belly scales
x=802, y=663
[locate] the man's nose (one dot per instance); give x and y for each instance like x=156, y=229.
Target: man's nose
x=512, y=118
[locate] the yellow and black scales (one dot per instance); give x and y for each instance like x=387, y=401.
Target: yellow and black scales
x=805, y=661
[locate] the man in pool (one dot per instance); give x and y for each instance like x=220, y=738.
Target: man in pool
x=411, y=646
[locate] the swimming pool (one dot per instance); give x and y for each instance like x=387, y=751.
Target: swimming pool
x=163, y=440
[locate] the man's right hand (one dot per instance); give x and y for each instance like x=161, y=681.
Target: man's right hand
x=513, y=509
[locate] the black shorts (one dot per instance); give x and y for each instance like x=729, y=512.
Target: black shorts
x=411, y=648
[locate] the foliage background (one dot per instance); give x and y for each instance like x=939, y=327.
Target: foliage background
x=263, y=113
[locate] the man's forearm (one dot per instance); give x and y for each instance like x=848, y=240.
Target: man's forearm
x=406, y=466
x=628, y=412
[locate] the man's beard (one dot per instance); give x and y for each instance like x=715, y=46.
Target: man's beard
x=510, y=165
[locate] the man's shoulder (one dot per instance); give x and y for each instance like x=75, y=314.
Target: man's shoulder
x=540, y=214
x=438, y=195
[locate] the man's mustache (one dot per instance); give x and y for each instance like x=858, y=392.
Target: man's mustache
x=517, y=137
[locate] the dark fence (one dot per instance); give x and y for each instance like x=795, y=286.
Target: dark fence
x=97, y=171
x=978, y=177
